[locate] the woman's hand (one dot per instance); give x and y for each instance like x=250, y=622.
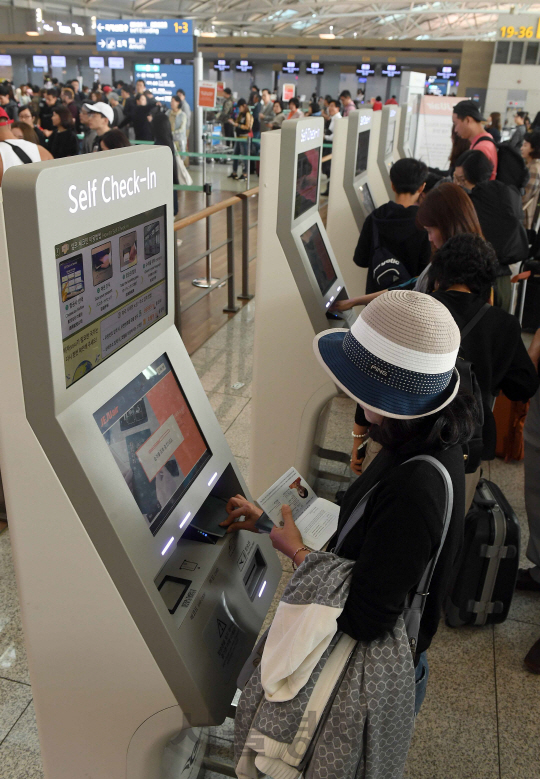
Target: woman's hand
x=286, y=539
x=356, y=461
x=241, y=507
x=342, y=305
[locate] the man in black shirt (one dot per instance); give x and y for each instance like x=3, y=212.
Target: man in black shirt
x=50, y=102
x=396, y=225
x=500, y=213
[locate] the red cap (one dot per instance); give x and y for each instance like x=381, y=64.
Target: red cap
x=107, y=89
x=4, y=118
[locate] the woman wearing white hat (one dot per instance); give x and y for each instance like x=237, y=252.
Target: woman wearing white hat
x=397, y=362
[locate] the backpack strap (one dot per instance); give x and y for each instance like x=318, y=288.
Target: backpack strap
x=487, y=137
x=474, y=320
x=414, y=606
x=21, y=154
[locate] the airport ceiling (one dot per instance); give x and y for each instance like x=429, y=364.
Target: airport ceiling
x=393, y=19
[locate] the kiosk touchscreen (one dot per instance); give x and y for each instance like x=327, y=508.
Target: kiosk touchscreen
x=139, y=610
x=299, y=226
x=387, y=154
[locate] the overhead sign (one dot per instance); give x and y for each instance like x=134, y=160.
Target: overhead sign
x=518, y=27
x=315, y=68
x=365, y=70
x=391, y=70
x=96, y=62
x=58, y=61
x=116, y=63
x=221, y=65
x=164, y=80
x=152, y=35
x=447, y=72
x=244, y=66
x=40, y=61
x=207, y=94
x=290, y=67
x=5, y=60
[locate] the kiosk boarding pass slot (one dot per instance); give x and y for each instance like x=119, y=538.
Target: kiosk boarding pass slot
x=299, y=225
x=358, y=151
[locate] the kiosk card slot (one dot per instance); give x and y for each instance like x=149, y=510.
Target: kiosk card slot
x=172, y=590
x=254, y=576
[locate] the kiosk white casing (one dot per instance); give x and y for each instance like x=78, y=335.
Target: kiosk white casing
x=116, y=667
x=387, y=152
x=290, y=389
x=410, y=96
x=354, y=180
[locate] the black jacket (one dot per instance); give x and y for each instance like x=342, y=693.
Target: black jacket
x=395, y=539
x=497, y=353
x=399, y=234
x=63, y=144
x=45, y=114
x=500, y=213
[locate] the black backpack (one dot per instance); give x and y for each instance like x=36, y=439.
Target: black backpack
x=385, y=269
x=472, y=451
x=511, y=167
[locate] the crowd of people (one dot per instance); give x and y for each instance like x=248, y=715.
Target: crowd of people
x=64, y=120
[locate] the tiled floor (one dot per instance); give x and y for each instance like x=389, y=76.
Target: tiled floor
x=481, y=716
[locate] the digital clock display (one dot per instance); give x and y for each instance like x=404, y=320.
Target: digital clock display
x=518, y=27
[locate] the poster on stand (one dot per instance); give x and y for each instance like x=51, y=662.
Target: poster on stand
x=433, y=139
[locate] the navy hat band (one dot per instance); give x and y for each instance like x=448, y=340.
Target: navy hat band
x=393, y=376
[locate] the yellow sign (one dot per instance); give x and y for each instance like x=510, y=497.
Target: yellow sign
x=518, y=27
x=181, y=27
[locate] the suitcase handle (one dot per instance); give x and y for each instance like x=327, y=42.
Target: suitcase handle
x=498, y=551
x=487, y=503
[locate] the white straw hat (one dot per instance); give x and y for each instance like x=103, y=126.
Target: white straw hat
x=399, y=357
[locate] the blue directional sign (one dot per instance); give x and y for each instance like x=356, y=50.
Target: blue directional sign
x=164, y=80
x=144, y=35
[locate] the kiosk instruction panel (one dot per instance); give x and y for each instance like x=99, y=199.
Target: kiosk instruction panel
x=112, y=286
x=155, y=440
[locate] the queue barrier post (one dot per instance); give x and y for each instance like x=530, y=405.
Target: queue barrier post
x=231, y=307
x=207, y=281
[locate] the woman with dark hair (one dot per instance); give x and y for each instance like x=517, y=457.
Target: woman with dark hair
x=161, y=128
x=23, y=131
x=447, y=211
x=294, y=109
x=62, y=140
x=114, y=139
x=462, y=274
x=142, y=113
x=398, y=362
x=530, y=151
x=242, y=128
x=494, y=127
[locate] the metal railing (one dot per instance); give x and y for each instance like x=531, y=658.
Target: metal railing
x=209, y=283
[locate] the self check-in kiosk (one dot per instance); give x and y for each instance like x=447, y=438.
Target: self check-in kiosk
x=298, y=278
x=138, y=609
x=387, y=150
x=354, y=181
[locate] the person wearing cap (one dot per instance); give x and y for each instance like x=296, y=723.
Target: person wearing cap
x=398, y=362
x=16, y=151
x=467, y=121
x=100, y=119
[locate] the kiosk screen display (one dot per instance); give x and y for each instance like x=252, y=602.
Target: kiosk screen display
x=155, y=440
x=367, y=200
x=390, y=139
x=319, y=258
x=307, y=181
x=112, y=285
x=362, y=152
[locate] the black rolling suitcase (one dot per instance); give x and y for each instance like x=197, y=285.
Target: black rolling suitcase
x=530, y=319
x=484, y=582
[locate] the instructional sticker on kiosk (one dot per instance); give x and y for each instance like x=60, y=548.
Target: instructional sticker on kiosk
x=221, y=636
x=127, y=263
